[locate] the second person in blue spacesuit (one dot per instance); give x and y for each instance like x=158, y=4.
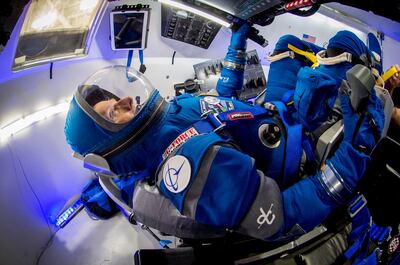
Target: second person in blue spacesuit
x=218, y=160
x=313, y=75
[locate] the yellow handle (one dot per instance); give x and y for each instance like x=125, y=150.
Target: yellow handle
x=387, y=75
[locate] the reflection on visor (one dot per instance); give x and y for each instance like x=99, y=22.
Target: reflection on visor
x=138, y=105
x=93, y=94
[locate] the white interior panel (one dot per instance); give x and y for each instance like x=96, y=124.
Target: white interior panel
x=84, y=241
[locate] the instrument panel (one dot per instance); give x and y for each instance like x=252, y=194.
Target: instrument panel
x=187, y=27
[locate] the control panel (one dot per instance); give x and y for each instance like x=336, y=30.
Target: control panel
x=187, y=27
x=254, y=79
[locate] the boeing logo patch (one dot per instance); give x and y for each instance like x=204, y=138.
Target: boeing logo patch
x=240, y=116
x=212, y=100
x=268, y=217
x=182, y=138
x=176, y=173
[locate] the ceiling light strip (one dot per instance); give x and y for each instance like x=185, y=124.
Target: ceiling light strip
x=18, y=125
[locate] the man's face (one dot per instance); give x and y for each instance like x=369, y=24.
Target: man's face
x=120, y=111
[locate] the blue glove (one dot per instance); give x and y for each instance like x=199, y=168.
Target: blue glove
x=366, y=132
x=239, y=36
x=231, y=78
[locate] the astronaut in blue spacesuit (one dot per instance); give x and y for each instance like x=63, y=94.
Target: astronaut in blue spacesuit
x=313, y=75
x=289, y=56
x=221, y=162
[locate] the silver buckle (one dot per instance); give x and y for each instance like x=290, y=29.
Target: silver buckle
x=222, y=125
x=364, y=202
x=205, y=114
x=349, y=57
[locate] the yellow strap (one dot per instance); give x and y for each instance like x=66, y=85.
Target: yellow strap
x=315, y=65
x=387, y=75
x=310, y=56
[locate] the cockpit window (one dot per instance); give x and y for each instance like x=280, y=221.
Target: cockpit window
x=56, y=30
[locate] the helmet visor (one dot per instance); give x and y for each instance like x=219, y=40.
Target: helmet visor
x=115, y=93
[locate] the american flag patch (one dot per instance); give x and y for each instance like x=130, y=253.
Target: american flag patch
x=309, y=38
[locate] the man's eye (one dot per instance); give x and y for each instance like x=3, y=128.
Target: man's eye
x=112, y=114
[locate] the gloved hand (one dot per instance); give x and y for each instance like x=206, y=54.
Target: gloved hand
x=341, y=174
x=363, y=134
x=240, y=32
x=232, y=76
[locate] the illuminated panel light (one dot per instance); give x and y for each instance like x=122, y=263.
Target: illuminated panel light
x=298, y=4
x=22, y=123
x=196, y=11
x=45, y=21
x=67, y=215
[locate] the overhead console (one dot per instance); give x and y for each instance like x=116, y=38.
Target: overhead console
x=183, y=20
x=187, y=27
x=243, y=9
x=195, y=21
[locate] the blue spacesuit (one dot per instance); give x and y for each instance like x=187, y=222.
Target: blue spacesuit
x=221, y=162
x=313, y=75
x=289, y=56
x=317, y=89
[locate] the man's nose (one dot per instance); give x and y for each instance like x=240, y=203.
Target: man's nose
x=125, y=102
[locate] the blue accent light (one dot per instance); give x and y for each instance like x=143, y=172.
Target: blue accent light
x=69, y=213
x=165, y=243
